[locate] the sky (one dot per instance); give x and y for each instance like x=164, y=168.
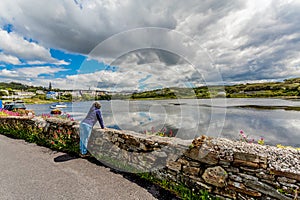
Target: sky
x=145, y=44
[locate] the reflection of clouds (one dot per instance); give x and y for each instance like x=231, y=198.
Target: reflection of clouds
x=188, y=121
x=191, y=119
x=275, y=126
x=295, y=124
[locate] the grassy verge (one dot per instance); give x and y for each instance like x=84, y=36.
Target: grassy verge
x=179, y=189
x=55, y=141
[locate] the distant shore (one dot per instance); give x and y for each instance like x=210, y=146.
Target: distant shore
x=40, y=101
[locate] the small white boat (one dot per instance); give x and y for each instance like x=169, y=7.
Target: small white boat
x=58, y=105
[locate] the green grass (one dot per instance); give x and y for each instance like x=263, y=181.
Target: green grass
x=180, y=189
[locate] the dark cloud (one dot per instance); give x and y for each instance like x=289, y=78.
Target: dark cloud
x=64, y=25
x=144, y=56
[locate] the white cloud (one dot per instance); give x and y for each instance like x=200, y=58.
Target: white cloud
x=246, y=39
x=8, y=73
x=9, y=59
x=30, y=72
x=141, y=71
x=56, y=62
x=105, y=80
x=34, y=72
x=16, y=47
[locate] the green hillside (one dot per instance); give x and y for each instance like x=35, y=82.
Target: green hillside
x=289, y=88
x=18, y=86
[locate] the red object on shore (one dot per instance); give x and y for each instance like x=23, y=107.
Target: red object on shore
x=55, y=112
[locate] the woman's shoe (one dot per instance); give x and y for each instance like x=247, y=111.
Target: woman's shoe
x=87, y=155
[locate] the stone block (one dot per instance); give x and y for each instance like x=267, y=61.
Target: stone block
x=172, y=174
x=192, y=153
x=203, y=155
x=204, y=186
x=143, y=147
x=224, y=163
x=246, y=157
x=235, y=178
x=239, y=187
x=272, y=183
x=175, y=166
x=265, y=189
x=232, y=169
x=250, y=157
x=226, y=193
x=286, y=180
x=286, y=174
x=252, y=170
x=263, y=175
x=200, y=140
x=194, y=164
x=183, y=161
x=248, y=177
x=290, y=185
x=132, y=142
x=237, y=162
x=194, y=171
x=215, y=176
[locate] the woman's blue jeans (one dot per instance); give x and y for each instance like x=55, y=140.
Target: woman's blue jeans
x=85, y=132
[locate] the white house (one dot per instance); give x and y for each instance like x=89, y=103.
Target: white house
x=51, y=95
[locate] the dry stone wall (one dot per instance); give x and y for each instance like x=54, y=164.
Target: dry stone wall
x=228, y=169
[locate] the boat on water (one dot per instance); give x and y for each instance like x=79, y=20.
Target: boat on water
x=58, y=105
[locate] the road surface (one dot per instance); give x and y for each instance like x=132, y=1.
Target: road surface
x=28, y=171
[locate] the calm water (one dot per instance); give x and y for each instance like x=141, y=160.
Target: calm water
x=189, y=118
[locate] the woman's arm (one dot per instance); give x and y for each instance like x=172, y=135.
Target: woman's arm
x=100, y=119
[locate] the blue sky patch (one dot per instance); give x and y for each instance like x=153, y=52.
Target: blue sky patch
x=91, y=66
x=8, y=27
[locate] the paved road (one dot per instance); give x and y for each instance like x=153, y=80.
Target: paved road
x=28, y=171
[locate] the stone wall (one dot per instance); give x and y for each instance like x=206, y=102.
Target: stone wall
x=226, y=168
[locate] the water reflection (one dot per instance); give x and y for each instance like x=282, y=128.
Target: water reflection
x=183, y=118
x=191, y=118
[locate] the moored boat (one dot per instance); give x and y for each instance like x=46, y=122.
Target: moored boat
x=58, y=105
